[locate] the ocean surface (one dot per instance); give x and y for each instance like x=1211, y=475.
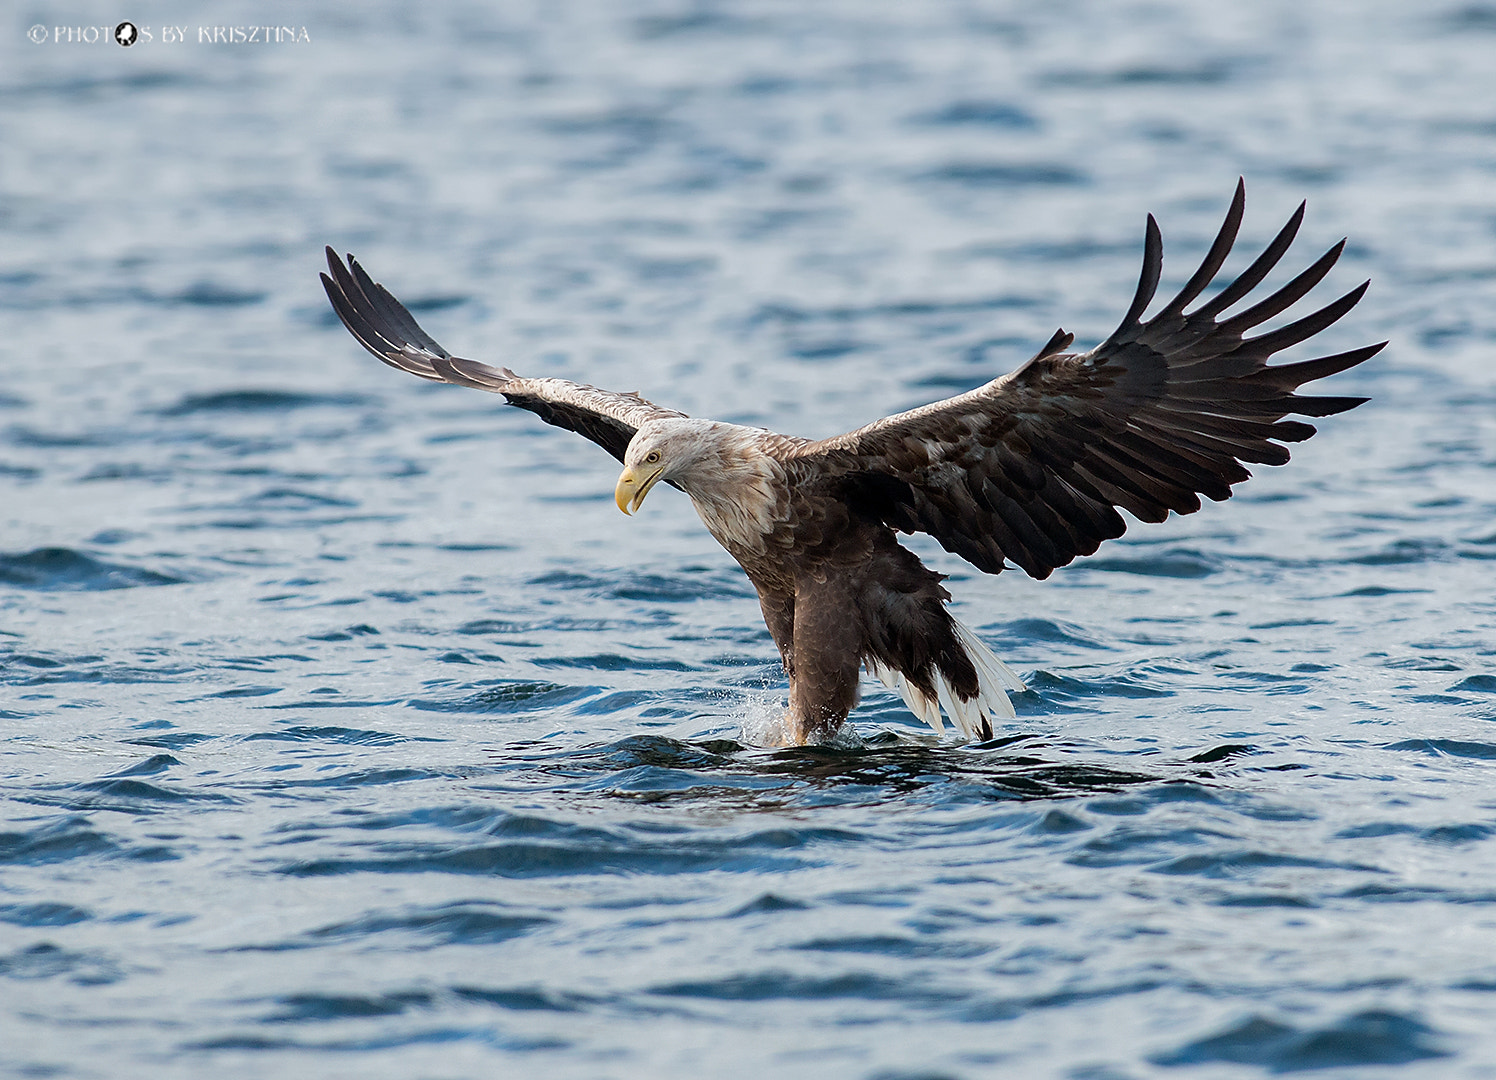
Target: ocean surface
x=348, y=730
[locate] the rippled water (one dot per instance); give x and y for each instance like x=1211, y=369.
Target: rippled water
x=348, y=730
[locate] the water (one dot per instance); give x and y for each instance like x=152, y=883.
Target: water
x=349, y=730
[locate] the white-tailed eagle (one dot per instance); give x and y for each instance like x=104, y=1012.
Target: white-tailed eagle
x=1028, y=470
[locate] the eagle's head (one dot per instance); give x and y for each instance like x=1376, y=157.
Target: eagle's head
x=695, y=455
x=659, y=450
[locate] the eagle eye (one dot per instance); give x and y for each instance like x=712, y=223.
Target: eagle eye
x=652, y=457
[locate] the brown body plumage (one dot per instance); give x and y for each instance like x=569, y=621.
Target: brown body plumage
x=1029, y=469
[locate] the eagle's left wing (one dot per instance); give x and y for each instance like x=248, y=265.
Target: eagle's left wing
x=1031, y=468
x=384, y=327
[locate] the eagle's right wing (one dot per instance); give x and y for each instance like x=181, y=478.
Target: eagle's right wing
x=384, y=327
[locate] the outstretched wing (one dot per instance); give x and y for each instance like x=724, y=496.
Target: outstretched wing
x=1031, y=467
x=384, y=327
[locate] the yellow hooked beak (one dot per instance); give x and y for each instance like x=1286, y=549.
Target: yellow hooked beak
x=632, y=487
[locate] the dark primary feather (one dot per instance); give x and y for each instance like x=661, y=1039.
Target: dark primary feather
x=1032, y=468
x=389, y=331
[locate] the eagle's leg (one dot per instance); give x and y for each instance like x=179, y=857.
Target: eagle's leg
x=779, y=616
x=825, y=661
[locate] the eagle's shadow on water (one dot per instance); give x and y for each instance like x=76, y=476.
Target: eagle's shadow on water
x=993, y=765
x=657, y=768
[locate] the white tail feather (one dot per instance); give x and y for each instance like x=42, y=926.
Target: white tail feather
x=966, y=715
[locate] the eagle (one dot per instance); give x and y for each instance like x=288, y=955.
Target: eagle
x=1029, y=470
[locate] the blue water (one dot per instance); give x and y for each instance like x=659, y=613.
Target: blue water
x=348, y=730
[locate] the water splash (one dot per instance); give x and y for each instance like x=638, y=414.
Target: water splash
x=761, y=715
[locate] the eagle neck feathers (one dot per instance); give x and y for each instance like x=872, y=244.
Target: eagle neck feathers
x=736, y=480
